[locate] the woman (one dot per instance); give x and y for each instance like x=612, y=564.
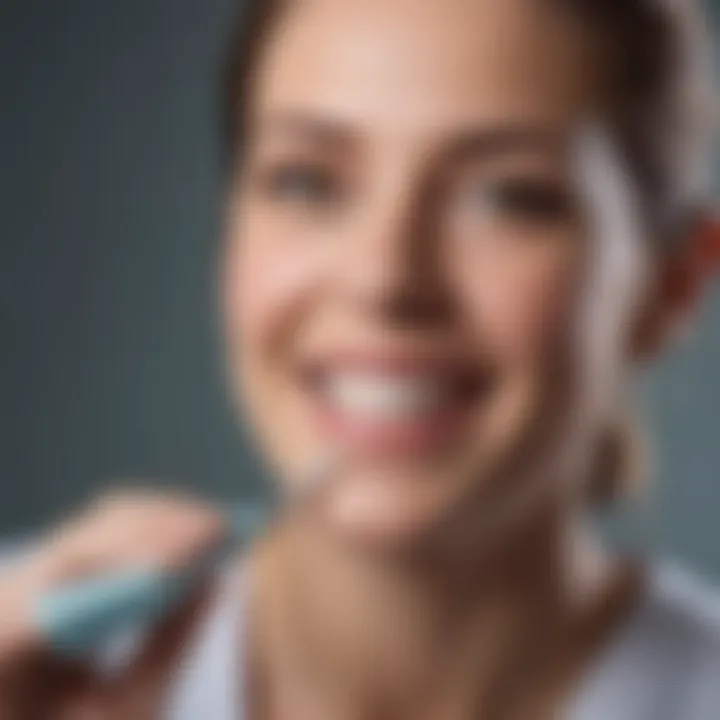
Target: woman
x=455, y=228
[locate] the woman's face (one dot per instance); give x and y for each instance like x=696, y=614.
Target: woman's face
x=411, y=272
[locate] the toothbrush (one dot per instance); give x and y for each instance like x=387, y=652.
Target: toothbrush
x=76, y=619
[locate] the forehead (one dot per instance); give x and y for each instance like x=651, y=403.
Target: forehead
x=415, y=65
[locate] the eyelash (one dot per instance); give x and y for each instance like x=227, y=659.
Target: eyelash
x=531, y=200
x=303, y=183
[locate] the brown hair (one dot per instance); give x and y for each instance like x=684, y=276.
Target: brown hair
x=253, y=23
x=656, y=68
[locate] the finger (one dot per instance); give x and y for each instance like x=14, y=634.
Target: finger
x=45, y=686
x=163, y=530
x=89, y=706
x=163, y=534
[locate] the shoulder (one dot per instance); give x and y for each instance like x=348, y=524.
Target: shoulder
x=664, y=662
x=682, y=614
x=670, y=651
x=684, y=620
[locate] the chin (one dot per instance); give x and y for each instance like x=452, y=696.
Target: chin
x=390, y=511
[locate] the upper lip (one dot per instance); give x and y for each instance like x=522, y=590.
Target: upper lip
x=393, y=363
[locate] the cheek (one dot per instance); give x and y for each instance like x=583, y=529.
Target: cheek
x=268, y=286
x=523, y=302
x=262, y=287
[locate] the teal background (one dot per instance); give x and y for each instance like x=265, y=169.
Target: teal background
x=108, y=237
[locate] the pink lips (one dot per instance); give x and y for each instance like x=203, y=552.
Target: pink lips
x=391, y=404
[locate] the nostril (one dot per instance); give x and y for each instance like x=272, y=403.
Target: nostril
x=417, y=306
x=473, y=386
x=313, y=376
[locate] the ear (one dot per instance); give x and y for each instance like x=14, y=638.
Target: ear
x=682, y=279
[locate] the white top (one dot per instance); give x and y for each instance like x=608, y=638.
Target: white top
x=662, y=664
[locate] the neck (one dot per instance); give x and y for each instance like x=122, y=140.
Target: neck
x=346, y=628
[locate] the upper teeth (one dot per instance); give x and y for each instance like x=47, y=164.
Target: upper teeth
x=386, y=396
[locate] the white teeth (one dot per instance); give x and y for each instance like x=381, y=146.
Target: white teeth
x=385, y=397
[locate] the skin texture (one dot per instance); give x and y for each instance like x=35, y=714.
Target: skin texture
x=369, y=219
x=378, y=215
x=34, y=685
x=404, y=263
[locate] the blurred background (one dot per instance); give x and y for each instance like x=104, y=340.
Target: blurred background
x=109, y=231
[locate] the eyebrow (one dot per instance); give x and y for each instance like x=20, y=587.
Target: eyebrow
x=321, y=131
x=473, y=142
x=504, y=138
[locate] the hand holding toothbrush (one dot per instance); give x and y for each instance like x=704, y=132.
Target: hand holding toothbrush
x=132, y=559
x=137, y=530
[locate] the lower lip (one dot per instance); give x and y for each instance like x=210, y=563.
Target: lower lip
x=412, y=436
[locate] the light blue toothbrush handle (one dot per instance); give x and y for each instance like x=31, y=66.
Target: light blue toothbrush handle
x=78, y=618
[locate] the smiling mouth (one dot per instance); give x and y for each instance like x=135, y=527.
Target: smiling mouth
x=393, y=405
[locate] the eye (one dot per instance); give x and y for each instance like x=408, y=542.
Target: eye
x=524, y=199
x=302, y=182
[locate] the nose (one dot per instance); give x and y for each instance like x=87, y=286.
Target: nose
x=393, y=264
